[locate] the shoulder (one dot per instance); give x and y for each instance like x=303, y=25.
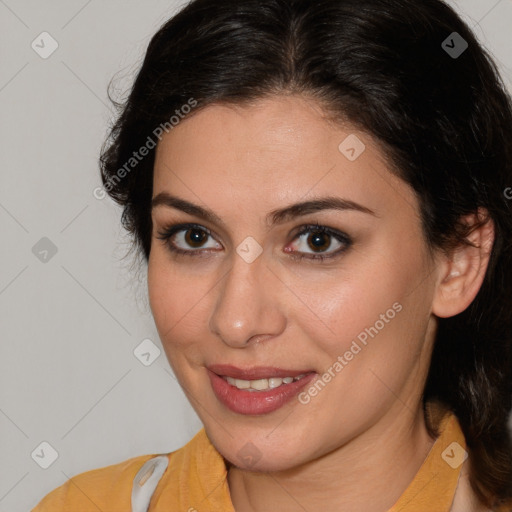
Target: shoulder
x=466, y=500
x=105, y=488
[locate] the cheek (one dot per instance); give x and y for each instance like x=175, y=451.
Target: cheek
x=383, y=296
x=176, y=299
x=377, y=317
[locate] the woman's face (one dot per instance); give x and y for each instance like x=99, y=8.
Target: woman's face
x=357, y=323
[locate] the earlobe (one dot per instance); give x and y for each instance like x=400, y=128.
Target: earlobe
x=463, y=271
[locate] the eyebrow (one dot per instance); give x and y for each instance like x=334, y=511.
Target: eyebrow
x=274, y=217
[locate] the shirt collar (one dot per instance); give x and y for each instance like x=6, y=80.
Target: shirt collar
x=196, y=478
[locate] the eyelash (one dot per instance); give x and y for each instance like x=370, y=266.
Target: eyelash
x=169, y=231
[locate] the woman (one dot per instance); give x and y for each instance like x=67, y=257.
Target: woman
x=319, y=190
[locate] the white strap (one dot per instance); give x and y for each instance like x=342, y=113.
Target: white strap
x=145, y=482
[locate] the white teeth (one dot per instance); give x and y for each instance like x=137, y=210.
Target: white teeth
x=259, y=384
x=262, y=384
x=240, y=384
x=275, y=382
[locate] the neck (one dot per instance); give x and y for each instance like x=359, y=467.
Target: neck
x=344, y=479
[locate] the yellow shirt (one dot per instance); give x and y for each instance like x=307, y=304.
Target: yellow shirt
x=195, y=480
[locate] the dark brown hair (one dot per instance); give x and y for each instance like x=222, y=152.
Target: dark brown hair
x=444, y=119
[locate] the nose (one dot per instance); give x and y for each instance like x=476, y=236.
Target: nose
x=247, y=309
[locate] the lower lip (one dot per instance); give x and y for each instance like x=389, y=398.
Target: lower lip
x=256, y=402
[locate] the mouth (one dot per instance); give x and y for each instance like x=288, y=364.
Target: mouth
x=261, y=384
x=257, y=390
x=256, y=372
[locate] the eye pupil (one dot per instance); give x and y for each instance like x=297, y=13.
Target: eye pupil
x=318, y=238
x=197, y=236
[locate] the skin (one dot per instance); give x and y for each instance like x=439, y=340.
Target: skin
x=276, y=311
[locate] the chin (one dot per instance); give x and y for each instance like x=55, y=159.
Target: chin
x=259, y=452
x=270, y=462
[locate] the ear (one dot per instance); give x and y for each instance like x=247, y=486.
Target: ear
x=461, y=273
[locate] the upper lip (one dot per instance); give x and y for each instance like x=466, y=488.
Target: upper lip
x=254, y=373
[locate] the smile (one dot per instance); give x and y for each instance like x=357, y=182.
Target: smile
x=261, y=384
x=268, y=390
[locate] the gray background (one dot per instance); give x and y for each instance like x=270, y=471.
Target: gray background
x=70, y=323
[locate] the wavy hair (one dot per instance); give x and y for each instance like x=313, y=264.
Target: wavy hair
x=444, y=120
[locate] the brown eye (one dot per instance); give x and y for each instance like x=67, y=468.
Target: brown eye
x=319, y=239
x=184, y=238
x=189, y=239
x=195, y=237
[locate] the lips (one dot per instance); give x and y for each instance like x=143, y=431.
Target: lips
x=255, y=373
x=251, y=402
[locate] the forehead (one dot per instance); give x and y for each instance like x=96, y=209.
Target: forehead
x=277, y=150
x=275, y=129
